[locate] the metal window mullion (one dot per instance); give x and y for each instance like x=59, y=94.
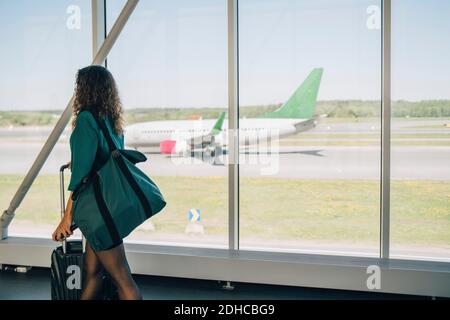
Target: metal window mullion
x=98, y=25
x=233, y=125
x=385, y=130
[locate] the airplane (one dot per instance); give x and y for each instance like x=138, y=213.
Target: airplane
x=183, y=137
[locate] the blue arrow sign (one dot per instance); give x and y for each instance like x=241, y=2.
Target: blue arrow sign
x=194, y=215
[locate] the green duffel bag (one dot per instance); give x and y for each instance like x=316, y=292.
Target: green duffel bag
x=112, y=201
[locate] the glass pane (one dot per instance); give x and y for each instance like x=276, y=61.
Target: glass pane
x=314, y=184
x=420, y=185
x=170, y=64
x=43, y=45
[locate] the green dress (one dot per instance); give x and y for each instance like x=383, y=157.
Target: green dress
x=88, y=146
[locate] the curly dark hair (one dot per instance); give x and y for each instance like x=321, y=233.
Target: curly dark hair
x=97, y=92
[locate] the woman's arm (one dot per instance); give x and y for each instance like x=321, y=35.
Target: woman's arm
x=63, y=229
x=68, y=211
x=83, y=147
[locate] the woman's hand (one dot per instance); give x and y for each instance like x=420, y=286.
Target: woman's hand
x=63, y=229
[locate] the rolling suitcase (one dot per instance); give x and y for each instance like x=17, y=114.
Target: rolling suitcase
x=67, y=264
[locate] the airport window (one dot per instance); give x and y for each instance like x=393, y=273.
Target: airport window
x=44, y=43
x=170, y=63
x=314, y=190
x=420, y=171
x=310, y=102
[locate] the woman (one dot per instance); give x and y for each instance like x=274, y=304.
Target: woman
x=96, y=91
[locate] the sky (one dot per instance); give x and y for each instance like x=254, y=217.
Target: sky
x=174, y=53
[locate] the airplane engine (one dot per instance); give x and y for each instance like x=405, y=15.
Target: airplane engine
x=213, y=155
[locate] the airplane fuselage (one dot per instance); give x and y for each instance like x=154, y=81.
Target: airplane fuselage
x=151, y=134
x=178, y=136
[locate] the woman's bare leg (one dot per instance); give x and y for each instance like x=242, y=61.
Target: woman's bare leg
x=93, y=274
x=116, y=264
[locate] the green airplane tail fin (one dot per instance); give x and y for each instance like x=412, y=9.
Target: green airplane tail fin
x=218, y=124
x=302, y=104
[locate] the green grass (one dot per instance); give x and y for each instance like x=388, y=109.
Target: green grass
x=281, y=209
x=28, y=118
x=372, y=109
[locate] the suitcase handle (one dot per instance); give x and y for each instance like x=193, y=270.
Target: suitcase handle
x=63, y=204
x=61, y=189
x=64, y=167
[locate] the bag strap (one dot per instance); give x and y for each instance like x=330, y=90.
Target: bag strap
x=123, y=167
x=104, y=211
x=112, y=146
